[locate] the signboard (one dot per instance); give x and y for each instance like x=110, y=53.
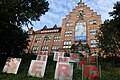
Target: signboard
x=92, y=60
x=42, y=56
x=82, y=62
x=63, y=59
x=80, y=31
x=90, y=72
x=74, y=57
x=37, y=68
x=43, y=53
x=64, y=69
x=58, y=54
x=12, y=65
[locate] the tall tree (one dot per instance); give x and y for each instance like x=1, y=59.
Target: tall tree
x=13, y=40
x=14, y=14
x=21, y=12
x=109, y=34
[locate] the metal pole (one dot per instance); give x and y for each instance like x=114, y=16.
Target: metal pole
x=82, y=72
x=100, y=71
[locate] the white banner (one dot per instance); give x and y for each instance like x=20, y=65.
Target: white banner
x=12, y=65
x=64, y=69
x=58, y=54
x=43, y=53
x=74, y=57
x=37, y=68
x=92, y=60
x=90, y=72
x=80, y=31
x=42, y=57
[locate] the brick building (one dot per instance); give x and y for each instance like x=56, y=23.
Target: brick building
x=46, y=39
x=80, y=25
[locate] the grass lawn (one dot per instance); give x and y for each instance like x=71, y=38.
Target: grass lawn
x=110, y=70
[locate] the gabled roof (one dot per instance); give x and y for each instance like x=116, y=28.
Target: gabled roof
x=46, y=28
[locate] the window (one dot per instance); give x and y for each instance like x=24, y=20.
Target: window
x=68, y=33
x=81, y=23
x=69, y=24
x=93, y=22
x=93, y=31
x=38, y=39
x=44, y=48
x=66, y=47
x=55, y=47
x=93, y=43
x=67, y=42
x=83, y=42
x=35, y=49
x=81, y=9
x=48, y=31
x=47, y=39
x=56, y=38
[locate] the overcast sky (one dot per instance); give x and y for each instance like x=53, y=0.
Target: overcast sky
x=60, y=8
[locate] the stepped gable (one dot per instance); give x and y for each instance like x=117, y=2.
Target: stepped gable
x=76, y=10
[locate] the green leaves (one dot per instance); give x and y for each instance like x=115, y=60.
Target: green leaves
x=109, y=34
x=13, y=39
x=23, y=11
x=14, y=14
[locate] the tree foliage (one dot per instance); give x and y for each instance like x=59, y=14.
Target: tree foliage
x=13, y=40
x=22, y=11
x=75, y=48
x=13, y=15
x=109, y=34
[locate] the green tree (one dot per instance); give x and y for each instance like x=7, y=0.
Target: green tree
x=13, y=40
x=80, y=47
x=109, y=34
x=13, y=15
x=21, y=12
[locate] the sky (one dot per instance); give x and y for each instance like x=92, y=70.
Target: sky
x=60, y=8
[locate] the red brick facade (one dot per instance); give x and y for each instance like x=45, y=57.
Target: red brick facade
x=66, y=33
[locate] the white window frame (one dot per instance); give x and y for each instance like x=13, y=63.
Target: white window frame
x=55, y=48
x=92, y=22
x=44, y=48
x=68, y=33
x=66, y=47
x=56, y=38
x=69, y=24
x=47, y=40
x=93, y=31
x=38, y=39
x=35, y=49
x=67, y=42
